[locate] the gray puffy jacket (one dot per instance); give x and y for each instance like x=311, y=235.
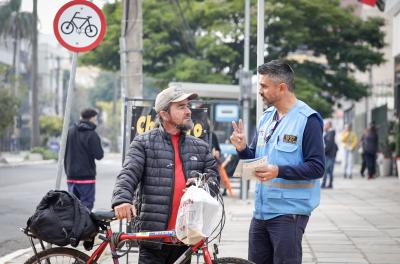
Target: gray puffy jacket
x=149, y=167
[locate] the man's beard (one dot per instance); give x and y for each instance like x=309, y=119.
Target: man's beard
x=266, y=102
x=185, y=126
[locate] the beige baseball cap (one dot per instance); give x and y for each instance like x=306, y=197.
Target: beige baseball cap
x=171, y=95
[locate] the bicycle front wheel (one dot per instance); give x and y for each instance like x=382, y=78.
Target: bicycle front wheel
x=231, y=261
x=59, y=255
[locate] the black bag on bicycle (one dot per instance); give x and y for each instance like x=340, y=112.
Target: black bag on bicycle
x=61, y=219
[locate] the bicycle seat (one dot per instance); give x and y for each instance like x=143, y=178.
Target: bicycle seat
x=104, y=216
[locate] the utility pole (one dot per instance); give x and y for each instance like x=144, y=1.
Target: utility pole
x=245, y=86
x=260, y=49
x=131, y=48
x=370, y=89
x=131, y=51
x=35, y=134
x=114, y=132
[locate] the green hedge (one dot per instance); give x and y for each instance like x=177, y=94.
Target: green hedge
x=47, y=154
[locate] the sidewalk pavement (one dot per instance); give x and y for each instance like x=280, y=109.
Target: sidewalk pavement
x=358, y=221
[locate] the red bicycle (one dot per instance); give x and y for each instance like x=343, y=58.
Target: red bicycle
x=117, y=240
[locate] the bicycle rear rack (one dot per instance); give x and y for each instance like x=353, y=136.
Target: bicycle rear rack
x=31, y=237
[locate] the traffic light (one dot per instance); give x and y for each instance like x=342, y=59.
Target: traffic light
x=381, y=5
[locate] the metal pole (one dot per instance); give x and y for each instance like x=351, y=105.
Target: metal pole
x=244, y=185
x=68, y=105
x=211, y=128
x=122, y=47
x=260, y=49
x=246, y=35
x=370, y=89
x=57, y=93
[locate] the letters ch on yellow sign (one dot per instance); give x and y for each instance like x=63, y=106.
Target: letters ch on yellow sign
x=146, y=123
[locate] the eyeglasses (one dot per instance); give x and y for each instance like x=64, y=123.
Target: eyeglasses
x=274, y=124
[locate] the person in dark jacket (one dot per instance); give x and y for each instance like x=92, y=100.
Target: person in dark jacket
x=370, y=147
x=158, y=167
x=83, y=147
x=330, y=154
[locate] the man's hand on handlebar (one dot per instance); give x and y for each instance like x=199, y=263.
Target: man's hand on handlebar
x=125, y=211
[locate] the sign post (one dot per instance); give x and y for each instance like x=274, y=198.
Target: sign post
x=79, y=26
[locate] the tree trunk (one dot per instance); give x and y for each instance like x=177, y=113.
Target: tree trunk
x=35, y=104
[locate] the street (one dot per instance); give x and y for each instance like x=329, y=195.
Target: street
x=22, y=187
x=356, y=222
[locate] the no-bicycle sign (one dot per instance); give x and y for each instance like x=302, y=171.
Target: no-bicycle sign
x=79, y=25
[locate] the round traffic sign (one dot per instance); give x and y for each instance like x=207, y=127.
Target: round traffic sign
x=79, y=25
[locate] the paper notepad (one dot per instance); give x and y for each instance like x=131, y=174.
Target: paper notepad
x=246, y=168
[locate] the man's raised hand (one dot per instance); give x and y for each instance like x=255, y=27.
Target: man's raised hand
x=238, y=138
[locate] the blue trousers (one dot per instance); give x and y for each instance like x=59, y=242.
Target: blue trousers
x=277, y=240
x=84, y=192
x=328, y=175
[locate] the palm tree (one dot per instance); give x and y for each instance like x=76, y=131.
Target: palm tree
x=17, y=26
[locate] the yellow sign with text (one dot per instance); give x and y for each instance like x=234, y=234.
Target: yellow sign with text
x=143, y=120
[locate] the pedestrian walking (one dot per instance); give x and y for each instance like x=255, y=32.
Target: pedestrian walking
x=83, y=147
x=370, y=147
x=349, y=142
x=289, y=133
x=330, y=154
x=362, y=154
x=158, y=165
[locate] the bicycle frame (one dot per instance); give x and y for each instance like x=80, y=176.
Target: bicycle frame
x=82, y=18
x=145, y=236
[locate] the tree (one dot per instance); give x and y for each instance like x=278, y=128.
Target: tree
x=111, y=128
x=50, y=126
x=341, y=41
x=106, y=55
x=103, y=89
x=17, y=26
x=202, y=41
x=8, y=109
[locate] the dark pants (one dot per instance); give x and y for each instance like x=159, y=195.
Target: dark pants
x=168, y=254
x=370, y=161
x=363, y=164
x=84, y=192
x=328, y=175
x=278, y=240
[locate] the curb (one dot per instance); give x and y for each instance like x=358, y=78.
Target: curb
x=24, y=163
x=14, y=255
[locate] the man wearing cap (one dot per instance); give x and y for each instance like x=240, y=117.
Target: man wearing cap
x=158, y=166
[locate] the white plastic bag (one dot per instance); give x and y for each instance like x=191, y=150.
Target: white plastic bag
x=197, y=215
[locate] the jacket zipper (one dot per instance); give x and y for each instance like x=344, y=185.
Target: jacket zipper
x=173, y=183
x=173, y=178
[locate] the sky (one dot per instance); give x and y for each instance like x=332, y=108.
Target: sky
x=47, y=9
